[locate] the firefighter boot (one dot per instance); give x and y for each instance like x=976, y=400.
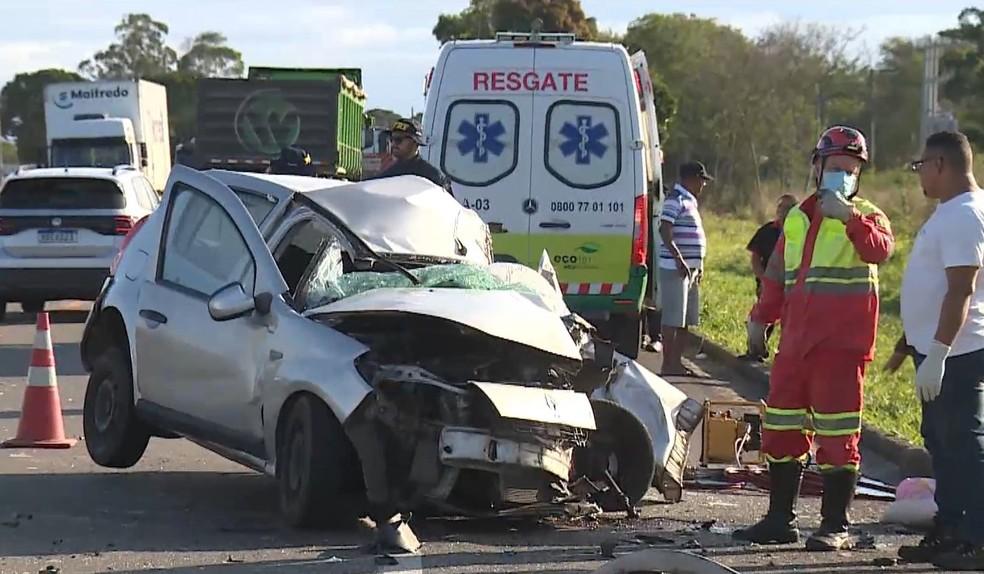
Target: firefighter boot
x=838, y=492
x=778, y=526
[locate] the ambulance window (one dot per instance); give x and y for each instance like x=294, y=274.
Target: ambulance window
x=583, y=144
x=480, y=141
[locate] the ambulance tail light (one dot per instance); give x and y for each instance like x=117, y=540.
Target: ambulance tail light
x=640, y=241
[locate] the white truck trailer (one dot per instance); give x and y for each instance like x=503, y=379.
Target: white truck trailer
x=109, y=123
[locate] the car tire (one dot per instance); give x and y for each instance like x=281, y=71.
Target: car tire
x=114, y=436
x=626, y=333
x=622, y=446
x=33, y=306
x=315, y=467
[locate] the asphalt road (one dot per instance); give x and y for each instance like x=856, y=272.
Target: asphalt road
x=183, y=509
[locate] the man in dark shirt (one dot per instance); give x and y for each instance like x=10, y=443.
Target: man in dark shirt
x=762, y=245
x=405, y=141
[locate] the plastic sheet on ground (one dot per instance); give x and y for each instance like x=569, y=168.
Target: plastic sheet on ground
x=736, y=478
x=915, y=504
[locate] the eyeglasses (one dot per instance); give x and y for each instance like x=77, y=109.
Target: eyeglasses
x=917, y=164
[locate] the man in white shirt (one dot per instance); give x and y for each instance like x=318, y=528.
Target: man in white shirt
x=943, y=318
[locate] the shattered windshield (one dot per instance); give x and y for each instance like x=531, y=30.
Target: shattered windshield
x=329, y=282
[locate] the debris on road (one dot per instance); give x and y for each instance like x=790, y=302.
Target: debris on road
x=664, y=561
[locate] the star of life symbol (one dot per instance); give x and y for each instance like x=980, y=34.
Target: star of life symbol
x=583, y=139
x=481, y=138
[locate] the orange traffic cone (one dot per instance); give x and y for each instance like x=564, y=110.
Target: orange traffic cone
x=41, y=424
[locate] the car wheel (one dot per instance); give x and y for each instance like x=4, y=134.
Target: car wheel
x=315, y=463
x=114, y=436
x=626, y=333
x=621, y=446
x=32, y=306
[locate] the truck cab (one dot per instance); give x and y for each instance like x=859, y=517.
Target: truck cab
x=95, y=140
x=109, y=123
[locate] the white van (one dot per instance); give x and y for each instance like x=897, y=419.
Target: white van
x=554, y=143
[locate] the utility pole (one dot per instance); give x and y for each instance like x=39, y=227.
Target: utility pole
x=871, y=114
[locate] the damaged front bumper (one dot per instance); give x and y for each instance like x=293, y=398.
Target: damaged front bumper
x=478, y=449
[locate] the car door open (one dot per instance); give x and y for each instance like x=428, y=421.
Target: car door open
x=215, y=279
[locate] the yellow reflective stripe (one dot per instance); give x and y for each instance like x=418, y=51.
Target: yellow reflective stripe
x=776, y=427
x=770, y=458
x=829, y=467
x=837, y=424
x=779, y=411
x=836, y=416
x=834, y=273
x=784, y=419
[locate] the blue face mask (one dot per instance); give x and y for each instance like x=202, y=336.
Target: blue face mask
x=839, y=182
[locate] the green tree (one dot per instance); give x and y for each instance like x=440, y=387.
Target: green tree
x=963, y=63
x=208, y=55
x=8, y=152
x=897, y=102
x=22, y=111
x=139, y=52
x=483, y=18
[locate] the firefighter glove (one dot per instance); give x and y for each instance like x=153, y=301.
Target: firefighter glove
x=834, y=206
x=756, y=338
x=929, y=375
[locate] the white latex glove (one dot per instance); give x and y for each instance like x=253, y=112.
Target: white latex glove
x=756, y=338
x=929, y=376
x=836, y=207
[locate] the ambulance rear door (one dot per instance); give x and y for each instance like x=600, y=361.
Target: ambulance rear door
x=590, y=171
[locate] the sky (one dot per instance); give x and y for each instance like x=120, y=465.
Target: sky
x=392, y=40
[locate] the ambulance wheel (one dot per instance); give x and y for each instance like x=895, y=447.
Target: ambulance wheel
x=626, y=333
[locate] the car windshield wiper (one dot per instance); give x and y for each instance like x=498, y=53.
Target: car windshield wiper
x=394, y=265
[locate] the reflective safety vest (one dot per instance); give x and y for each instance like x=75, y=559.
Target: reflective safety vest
x=835, y=267
x=832, y=303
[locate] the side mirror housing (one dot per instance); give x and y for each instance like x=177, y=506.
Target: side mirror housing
x=230, y=302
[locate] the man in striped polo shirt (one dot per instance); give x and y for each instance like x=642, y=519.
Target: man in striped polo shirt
x=681, y=263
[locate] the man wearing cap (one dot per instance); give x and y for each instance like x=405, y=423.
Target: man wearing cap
x=405, y=141
x=681, y=263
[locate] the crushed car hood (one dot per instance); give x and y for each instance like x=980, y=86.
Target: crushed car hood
x=501, y=314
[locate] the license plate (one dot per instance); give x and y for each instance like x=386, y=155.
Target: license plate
x=58, y=236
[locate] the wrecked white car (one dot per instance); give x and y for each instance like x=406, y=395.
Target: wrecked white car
x=357, y=342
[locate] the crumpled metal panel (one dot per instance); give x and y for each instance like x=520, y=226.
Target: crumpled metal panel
x=550, y=406
x=505, y=315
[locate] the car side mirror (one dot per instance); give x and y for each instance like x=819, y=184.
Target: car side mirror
x=230, y=302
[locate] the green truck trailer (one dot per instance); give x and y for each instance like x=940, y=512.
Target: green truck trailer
x=243, y=124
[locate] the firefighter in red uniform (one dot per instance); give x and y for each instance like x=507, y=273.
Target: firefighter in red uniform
x=822, y=282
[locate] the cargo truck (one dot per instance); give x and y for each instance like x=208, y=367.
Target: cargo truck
x=108, y=124
x=243, y=124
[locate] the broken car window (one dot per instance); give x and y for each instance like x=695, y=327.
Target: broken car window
x=329, y=284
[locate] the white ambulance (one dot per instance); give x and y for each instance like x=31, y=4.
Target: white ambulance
x=554, y=143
